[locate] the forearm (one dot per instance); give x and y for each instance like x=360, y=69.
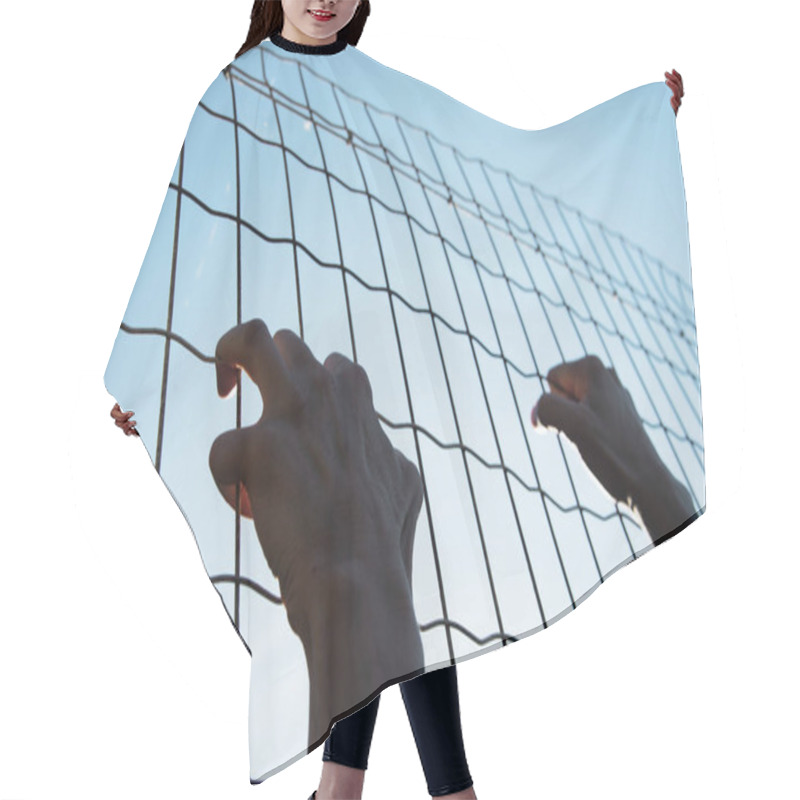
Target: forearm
x=361, y=630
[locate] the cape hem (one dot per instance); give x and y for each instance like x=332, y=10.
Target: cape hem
x=459, y=659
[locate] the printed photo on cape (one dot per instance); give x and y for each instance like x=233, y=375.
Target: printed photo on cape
x=419, y=381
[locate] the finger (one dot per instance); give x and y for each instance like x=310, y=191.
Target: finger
x=251, y=347
x=295, y=352
x=227, y=460
x=336, y=363
x=229, y=493
x=674, y=79
x=122, y=417
x=674, y=87
x=568, y=416
x=341, y=366
x=673, y=100
x=572, y=379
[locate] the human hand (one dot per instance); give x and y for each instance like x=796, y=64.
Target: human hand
x=335, y=507
x=589, y=404
x=675, y=82
x=122, y=419
x=317, y=467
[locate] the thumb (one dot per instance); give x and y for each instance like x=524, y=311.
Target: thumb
x=226, y=461
x=566, y=415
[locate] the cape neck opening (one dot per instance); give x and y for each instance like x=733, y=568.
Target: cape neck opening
x=311, y=49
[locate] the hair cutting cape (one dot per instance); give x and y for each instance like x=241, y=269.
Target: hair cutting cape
x=357, y=291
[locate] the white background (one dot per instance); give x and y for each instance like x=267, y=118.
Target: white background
x=120, y=674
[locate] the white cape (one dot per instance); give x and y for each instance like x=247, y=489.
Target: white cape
x=457, y=260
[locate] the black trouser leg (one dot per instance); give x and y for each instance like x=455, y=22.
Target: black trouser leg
x=351, y=737
x=433, y=710
x=435, y=716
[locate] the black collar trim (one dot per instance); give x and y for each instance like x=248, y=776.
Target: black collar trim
x=311, y=49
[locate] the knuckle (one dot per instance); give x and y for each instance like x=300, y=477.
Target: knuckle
x=285, y=336
x=336, y=361
x=594, y=365
x=323, y=379
x=410, y=474
x=253, y=330
x=362, y=379
x=358, y=371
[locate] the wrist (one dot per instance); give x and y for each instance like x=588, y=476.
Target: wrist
x=662, y=501
x=360, y=612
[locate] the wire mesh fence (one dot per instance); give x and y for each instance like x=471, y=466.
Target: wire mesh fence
x=457, y=286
